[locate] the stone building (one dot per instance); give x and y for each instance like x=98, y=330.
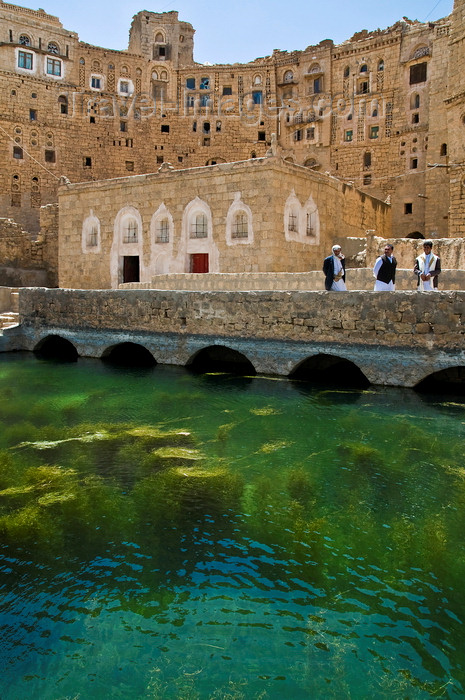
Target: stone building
x=383, y=110
x=255, y=216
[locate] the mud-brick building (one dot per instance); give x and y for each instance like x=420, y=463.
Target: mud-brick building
x=383, y=113
x=260, y=215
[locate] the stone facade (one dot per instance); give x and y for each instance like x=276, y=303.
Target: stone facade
x=383, y=110
x=261, y=215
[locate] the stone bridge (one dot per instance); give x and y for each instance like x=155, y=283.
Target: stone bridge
x=395, y=339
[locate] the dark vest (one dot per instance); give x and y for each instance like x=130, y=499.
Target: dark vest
x=387, y=271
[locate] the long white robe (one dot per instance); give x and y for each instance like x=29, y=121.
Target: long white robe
x=426, y=264
x=340, y=285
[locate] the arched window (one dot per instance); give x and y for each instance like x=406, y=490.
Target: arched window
x=288, y=76
x=239, y=222
x=364, y=68
x=63, y=102
x=24, y=40
x=53, y=48
x=240, y=228
x=91, y=234
x=257, y=80
x=163, y=231
x=346, y=72
x=381, y=64
x=159, y=38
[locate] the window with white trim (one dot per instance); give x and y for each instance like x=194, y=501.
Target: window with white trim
x=240, y=227
x=25, y=60
x=130, y=232
x=163, y=231
x=199, y=226
x=53, y=67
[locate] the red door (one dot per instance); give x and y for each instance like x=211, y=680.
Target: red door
x=199, y=262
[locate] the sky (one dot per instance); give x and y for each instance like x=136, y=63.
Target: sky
x=241, y=30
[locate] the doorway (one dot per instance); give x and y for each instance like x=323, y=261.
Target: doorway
x=199, y=262
x=131, y=268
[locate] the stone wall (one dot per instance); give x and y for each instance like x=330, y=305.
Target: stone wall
x=428, y=321
x=27, y=259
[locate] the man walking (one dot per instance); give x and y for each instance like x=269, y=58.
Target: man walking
x=384, y=270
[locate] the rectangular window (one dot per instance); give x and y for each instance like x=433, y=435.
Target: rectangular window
x=87, y=162
x=160, y=159
x=240, y=227
x=17, y=152
x=363, y=88
x=261, y=136
x=53, y=66
x=92, y=238
x=367, y=179
x=298, y=135
x=33, y=115
x=123, y=126
x=50, y=157
x=317, y=86
x=130, y=235
x=130, y=165
x=408, y=208
x=96, y=83
x=124, y=86
x=190, y=83
x=292, y=223
x=311, y=133
x=418, y=73
x=163, y=231
x=415, y=118
x=206, y=141
x=413, y=163
x=25, y=60
x=199, y=227
x=374, y=132
x=310, y=228
x=348, y=135
x=257, y=97
x=165, y=128
x=227, y=90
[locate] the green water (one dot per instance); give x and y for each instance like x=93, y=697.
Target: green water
x=166, y=535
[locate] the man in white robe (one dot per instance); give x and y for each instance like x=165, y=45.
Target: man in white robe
x=427, y=268
x=334, y=267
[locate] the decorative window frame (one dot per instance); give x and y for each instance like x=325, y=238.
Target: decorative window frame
x=25, y=50
x=294, y=208
x=90, y=223
x=190, y=245
x=120, y=249
x=238, y=206
x=161, y=254
x=130, y=90
x=100, y=77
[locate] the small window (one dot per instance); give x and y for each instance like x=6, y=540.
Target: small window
x=130, y=232
x=367, y=179
x=218, y=126
x=130, y=165
x=206, y=140
x=363, y=88
x=165, y=128
x=227, y=90
x=91, y=120
x=310, y=228
x=63, y=102
x=374, y=113
x=413, y=163
x=123, y=126
x=349, y=134
x=346, y=72
x=25, y=60
x=288, y=76
x=190, y=83
x=311, y=133
x=124, y=86
x=206, y=127
x=163, y=231
x=240, y=227
x=33, y=115
x=374, y=132
x=381, y=65
x=367, y=159
x=204, y=100
x=205, y=83
x=24, y=40
x=408, y=208
x=350, y=117
x=53, y=48
x=298, y=135
x=96, y=82
x=53, y=67
x=418, y=73
x=18, y=152
x=194, y=126
x=160, y=160
x=92, y=237
x=199, y=227
x=87, y=162
x=415, y=118
x=257, y=97
x=317, y=86
x=50, y=156
x=443, y=149
x=292, y=222
x=261, y=136
x=364, y=68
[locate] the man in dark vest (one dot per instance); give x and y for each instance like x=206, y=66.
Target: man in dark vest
x=384, y=270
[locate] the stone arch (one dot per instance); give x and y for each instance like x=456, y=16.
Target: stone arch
x=239, y=229
x=128, y=355
x=330, y=370
x=126, y=244
x=197, y=236
x=55, y=347
x=415, y=235
x=312, y=163
x=220, y=358
x=90, y=239
x=449, y=380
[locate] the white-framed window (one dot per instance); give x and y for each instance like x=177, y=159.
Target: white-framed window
x=96, y=81
x=130, y=231
x=25, y=60
x=239, y=229
x=53, y=67
x=199, y=226
x=301, y=223
x=125, y=86
x=163, y=231
x=293, y=221
x=90, y=242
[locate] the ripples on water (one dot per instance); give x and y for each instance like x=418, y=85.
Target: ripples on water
x=318, y=554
